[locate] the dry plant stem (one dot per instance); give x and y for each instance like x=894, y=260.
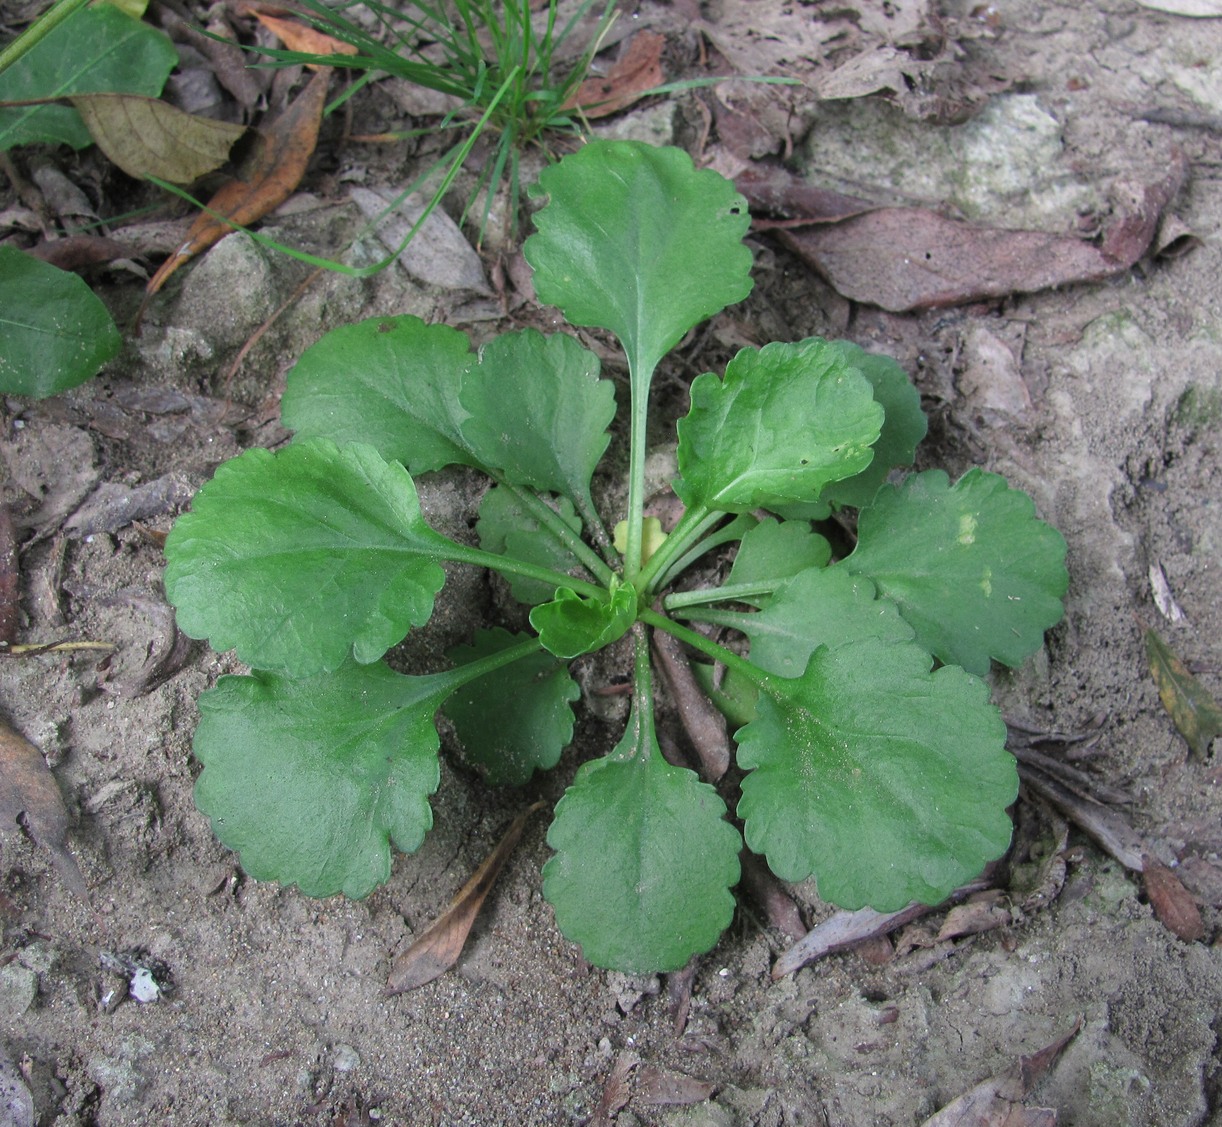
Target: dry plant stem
x=705, y=726
x=1107, y=828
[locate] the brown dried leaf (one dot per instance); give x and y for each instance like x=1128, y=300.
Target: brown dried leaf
x=616, y=1091
x=148, y=137
x=300, y=37
x=1196, y=714
x=1172, y=902
x=75, y=252
x=911, y=258
x=995, y=1102
x=637, y=71
x=275, y=170
x=28, y=787
x=704, y=723
x=439, y=947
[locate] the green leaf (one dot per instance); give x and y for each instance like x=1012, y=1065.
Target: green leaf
x=99, y=50
x=507, y=528
x=973, y=570
x=904, y=427
x=786, y=420
x=54, y=332
x=644, y=862
x=571, y=625
x=776, y=550
x=300, y=558
x=637, y=241
x=821, y=607
x=887, y=782
x=312, y=779
x=1196, y=714
x=392, y=382
x=516, y=719
x=539, y=412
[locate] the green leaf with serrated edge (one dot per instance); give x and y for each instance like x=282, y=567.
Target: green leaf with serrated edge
x=539, y=412
x=515, y=719
x=1196, y=714
x=904, y=427
x=645, y=859
x=54, y=332
x=392, y=382
x=734, y=695
x=571, y=625
x=786, y=420
x=777, y=550
x=311, y=779
x=820, y=607
x=973, y=570
x=507, y=528
x=637, y=241
x=99, y=50
x=300, y=558
x=885, y=781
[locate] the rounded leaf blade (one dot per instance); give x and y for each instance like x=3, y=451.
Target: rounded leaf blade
x=644, y=864
x=973, y=570
x=312, y=779
x=786, y=420
x=887, y=782
x=300, y=558
x=636, y=240
x=54, y=331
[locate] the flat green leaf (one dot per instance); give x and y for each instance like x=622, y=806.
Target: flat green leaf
x=571, y=625
x=312, y=779
x=820, y=607
x=515, y=719
x=973, y=570
x=885, y=781
x=392, y=382
x=539, y=412
x=1196, y=714
x=508, y=528
x=644, y=862
x=637, y=241
x=776, y=550
x=904, y=426
x=99, y=50
x=300, y=558
x=786, y=420
x=54, y=331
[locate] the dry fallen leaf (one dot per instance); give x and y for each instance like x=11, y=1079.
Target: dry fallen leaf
x=1195, y=713
x=300, y=37
x=615, y=1092
x=637, y=71
x=439, y=947
x=1173, y=904
x=148, y=137
x=906, y=258
x=996, y=1102
x=670, y=1089
x=28, y=788
x=276, y=168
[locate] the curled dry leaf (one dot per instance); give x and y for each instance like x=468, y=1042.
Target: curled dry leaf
x=616, y=1091
x=28, y=788
x=275, y=169
x=705, y=725
x=300, y=37
x=1172, y=902
x=658, y=1087
x=439, y=947
x=148, y=137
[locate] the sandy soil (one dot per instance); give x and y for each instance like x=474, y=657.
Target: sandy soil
x=1104, y=401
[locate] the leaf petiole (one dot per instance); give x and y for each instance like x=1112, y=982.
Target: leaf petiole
x=508, y=565
x=694, y=523
x=706, y=646
x=548, y=517
x=731, y=592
